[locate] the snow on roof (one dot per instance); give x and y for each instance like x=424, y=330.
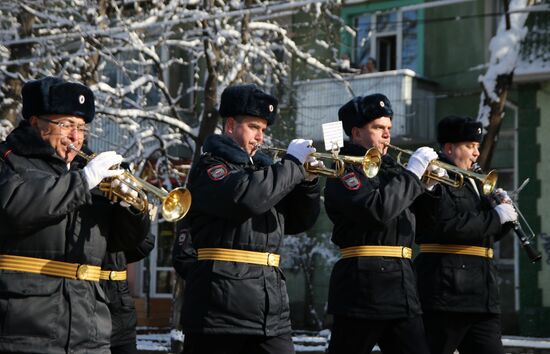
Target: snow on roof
x=534, y=60
x=530, y=71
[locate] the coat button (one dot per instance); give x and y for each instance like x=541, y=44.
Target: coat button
x=382, y=268
x=463, y=266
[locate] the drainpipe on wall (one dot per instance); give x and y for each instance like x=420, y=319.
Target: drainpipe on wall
x=514, y=108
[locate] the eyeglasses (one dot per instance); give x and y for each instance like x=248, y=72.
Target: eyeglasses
x=68, y=126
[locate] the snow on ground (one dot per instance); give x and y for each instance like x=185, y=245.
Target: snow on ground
x=158, y=340
x=155, y=342
x=526, y=342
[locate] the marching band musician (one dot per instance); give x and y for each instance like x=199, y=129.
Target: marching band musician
x=456, y=230
x=56, y=226
x=372, y=292
x=235, y=294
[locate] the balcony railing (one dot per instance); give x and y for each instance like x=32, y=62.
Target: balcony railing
x=412, y=98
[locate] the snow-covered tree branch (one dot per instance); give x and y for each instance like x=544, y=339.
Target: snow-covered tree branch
x=159, y=62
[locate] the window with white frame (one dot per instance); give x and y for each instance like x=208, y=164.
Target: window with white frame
x=390, y=38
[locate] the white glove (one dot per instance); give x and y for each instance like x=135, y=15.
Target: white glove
x=434, y=171
x=312, y=161
x=501, y=196
x=420, y=160
x=300, y=149
x=506, y=212
x=99, y=168
x=438, y=171
x=124, y=189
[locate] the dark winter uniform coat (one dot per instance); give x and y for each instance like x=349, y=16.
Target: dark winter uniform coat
x=450, y=282
x=184, y=255
x=48, y=212
x=244, y=205
x=120, y=301
x=372, y=212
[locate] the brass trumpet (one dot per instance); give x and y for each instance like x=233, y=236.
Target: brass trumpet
x=370, y=162
x=488, y=181
x=175, y=204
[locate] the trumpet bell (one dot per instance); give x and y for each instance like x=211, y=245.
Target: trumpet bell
x=176, y=204
x=489, y=182
x=133, y=191
x=371, y=162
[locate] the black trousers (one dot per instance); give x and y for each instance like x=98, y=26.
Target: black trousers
x=470, y=333
x=195, y=343
x=359, y=336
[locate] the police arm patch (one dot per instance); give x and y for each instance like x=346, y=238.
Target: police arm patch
x=351, y=181
x=217, y=172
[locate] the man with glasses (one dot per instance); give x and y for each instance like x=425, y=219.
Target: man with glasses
x=56, y=226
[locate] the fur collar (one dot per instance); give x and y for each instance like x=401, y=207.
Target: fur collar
x=24, y=141
x=224, y=147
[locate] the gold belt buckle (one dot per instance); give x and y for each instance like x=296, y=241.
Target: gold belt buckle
x=271, y=260
x=113, y=275
x=406, y=252
x=82, y=272
x=489, y=252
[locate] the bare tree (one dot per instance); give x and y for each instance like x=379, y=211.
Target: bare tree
x=128, y=52
x=22, y=25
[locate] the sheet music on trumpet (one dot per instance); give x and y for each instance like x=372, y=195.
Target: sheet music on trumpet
x=333, y=135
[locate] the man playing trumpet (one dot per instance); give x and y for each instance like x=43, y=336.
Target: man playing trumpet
x=456, y=230
x=235, y=295
x=372, y=292
x=56, y=226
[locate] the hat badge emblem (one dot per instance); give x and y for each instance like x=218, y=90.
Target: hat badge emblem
x=81, y=99
x=382, y=104
x=479, y=130
x=271, y=108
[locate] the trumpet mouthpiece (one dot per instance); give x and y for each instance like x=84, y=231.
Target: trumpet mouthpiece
x=258, y=147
